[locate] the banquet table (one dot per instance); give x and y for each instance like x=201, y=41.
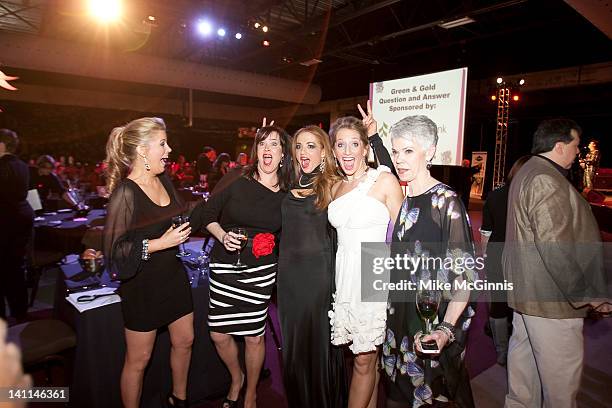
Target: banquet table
x=62, y=231
x=100, y=350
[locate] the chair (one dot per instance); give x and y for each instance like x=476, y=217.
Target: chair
x=38, y=262
x=42, y=342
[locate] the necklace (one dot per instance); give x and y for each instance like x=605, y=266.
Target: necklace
x=304, y=185
x=307, y=179
x=356, y=178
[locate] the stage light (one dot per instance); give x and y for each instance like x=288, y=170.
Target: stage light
x=500, y=80
x=204, y=27
x=221, y=32
x=493, y=97
x=515, y=98
x=266, y=43
x=522, y=82
x=264, y=29
x=256, y=25
x=105, y=10
x=238, y=36
x=151, y=18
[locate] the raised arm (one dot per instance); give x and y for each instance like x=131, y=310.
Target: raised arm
x=380, y=151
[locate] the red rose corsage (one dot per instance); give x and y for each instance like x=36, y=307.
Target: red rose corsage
x=263, y=244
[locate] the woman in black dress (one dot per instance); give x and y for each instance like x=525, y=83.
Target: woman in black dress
x=240, y=295
x=313, y=369
x=432, y=224
x=140, y=246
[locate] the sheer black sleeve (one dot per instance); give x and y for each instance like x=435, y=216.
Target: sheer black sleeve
x=210, y=211
x=381, y=153
x=122, y=242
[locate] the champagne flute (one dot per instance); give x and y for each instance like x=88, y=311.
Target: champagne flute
x=243, y=236
x=177, y=221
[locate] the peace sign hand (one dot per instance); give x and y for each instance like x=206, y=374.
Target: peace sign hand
x=263, y=122
x=368, y=120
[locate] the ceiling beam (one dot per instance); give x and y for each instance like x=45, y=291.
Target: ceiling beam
x=599, y=13
x=53, y=95
x=49, y=55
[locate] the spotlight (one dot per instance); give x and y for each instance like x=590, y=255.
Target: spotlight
x=221, y=32
x=151, y=18
x=105, y=10
x=500, y=80
x=264, y=29
x=522, y=82
x=266, y=43
x=256, y=25
x=238, y=36
x=493, y=97
x=204, y=27
x=515, y=98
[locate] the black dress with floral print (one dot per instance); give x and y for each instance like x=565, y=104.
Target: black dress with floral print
x=435, y=225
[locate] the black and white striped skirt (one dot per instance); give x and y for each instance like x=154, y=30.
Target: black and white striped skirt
x=239, y=298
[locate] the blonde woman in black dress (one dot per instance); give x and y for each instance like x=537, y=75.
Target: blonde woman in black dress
x=140, y=247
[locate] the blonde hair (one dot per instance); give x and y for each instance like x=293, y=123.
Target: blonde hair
x=322, y=182
x=352, y=123
x=121, y=147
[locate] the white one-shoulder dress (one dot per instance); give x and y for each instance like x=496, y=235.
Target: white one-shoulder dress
x=357, y=218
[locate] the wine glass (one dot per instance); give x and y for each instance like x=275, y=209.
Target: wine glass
x=243, y=236
x=427, y=301
x=177, y=221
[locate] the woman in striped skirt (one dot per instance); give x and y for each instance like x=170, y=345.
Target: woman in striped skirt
x=240, y=295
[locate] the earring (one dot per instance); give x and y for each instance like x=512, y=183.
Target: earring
x=281, y=161
x=428, y=165
x=322, y=165
x=146, y=163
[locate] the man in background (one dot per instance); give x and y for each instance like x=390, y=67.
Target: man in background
x=16, y=220
x=44, y=179
x=205, y=163
x=553, y=257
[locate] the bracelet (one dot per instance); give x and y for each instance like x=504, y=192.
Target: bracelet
x=449, y=334
x=145, y=250
x=447, y=328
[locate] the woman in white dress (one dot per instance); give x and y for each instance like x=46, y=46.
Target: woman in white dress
x=363, y=204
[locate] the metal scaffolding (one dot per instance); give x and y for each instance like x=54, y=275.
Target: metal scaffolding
x=501, y=134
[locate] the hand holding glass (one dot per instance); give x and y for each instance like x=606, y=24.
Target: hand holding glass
x=427, y=302
x=242, y=236
x=177, y=221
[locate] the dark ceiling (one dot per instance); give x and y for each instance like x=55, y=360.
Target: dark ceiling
x=358, y=41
